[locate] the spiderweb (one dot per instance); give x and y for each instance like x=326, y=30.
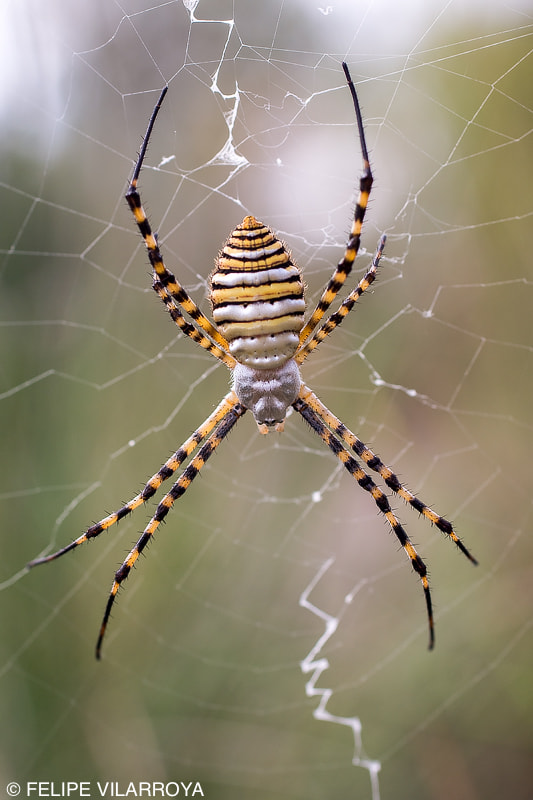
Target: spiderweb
x=272, y=644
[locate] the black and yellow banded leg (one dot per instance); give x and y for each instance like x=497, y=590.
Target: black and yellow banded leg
x=161, y=274
x=226, y=423
x=375, y=463
x=345, y=308
x=196, y=334
x=151, y=487
x=344, y=266
x=381, y=500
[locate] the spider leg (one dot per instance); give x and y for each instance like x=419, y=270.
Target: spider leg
x=381, y=500
x=345, y=307
x=179, y=488
x=168, y=469
x=190, y=330
x=165, y=278
x=344, y=266
x=375, y=463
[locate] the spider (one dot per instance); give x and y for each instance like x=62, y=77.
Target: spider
x=259, y=333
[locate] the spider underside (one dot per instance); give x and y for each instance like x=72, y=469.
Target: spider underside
x=259, y=332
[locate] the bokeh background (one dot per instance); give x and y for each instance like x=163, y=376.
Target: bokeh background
x=201, y=677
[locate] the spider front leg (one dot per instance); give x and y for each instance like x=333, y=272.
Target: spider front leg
x=231, y=416
x=381, y=500
x=167, y=470
x=375, y=463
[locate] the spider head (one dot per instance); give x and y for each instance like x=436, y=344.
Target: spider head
x=267, y=393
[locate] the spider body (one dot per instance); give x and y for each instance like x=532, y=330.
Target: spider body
x=259, y=333
x=257, y=296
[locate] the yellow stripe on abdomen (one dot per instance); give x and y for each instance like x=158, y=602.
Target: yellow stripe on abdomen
x=257, y=295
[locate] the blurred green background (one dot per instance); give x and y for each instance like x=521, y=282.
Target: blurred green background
x=201, y=678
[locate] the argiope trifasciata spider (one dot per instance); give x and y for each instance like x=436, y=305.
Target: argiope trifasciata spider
x=257, y=297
